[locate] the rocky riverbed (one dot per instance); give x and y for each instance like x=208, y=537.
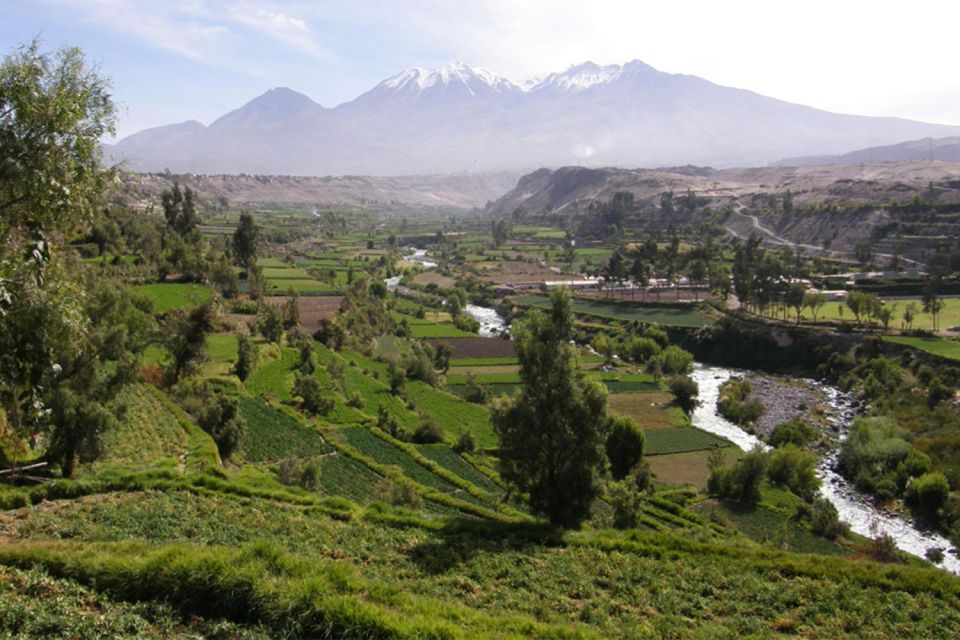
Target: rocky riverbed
x=785, y=398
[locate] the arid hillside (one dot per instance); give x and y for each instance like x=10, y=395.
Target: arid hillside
x=463, y=190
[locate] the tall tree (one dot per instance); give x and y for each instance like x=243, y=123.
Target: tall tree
x=553, y=435
x=185, y=336
x=246, y=241
x=180, y=209
x=53, y=111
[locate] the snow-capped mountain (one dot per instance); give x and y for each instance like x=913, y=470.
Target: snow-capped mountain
x=461, y=118
x=584, y=76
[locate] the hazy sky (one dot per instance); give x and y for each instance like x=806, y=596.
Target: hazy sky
x=173, y=60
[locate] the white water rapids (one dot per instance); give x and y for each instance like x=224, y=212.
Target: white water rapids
x=854, y=509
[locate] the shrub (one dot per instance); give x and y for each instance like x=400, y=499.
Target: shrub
x=671, y=361
x=735, y=403
x=222, y=420
x=310, y=475
x=685, y=392
x=465, y=443
x=795, y=432
x=823, y=517
x=311, y=394
x=929, y=492
x=642, y=349
x=476, y=392
x=355, y=400
x=403, y=494
x=624, y=446
x=428, y=432
x=872, y=453
x=741, y=481
x=626, y=502
x=795, y=469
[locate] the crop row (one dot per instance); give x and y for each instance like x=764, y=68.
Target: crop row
x=272, y=435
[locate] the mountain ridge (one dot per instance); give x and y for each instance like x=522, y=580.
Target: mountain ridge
x=459, y=118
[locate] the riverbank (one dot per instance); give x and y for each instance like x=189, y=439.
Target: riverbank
x=854, y=508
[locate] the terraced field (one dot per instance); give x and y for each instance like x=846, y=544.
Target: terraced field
x=272, y=435
x=625, y=311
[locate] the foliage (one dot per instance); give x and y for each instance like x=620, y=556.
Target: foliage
x=185, y=338
x=312, y=396
x=741, y=481
x=246, y=357
x=795, y=469
x=735, y=403
x=641, y=349
x=53, y=111
x=794, y=431
x=823, y=517
x=552, y=435
x=685, y=392
x=221, y=418
x=475, y=391
x=428, y=432
x=246, y=241
x=872, y=454
x=929, y=492
x=626, y=501
x=624, y=446
x=270, y=323
x=671, y=361
x=465, y=443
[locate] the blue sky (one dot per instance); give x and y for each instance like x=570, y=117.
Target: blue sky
x=173, y=60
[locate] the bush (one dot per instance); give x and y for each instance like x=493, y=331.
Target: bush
x=626, y=502
x=624, y=446
x=740, y=482
x=671, y=361
x=465, y=443
x=929, y=493
x=872, y=453
x=355, y=400
x=823, y=518
x=476, y=392
x=222, y=420
x=428, y=432
x=642, y=349
x=795, y=432
x=795, y=469
x=311, y=394
x=685, y=391
x=735, y=403
x=403, y=495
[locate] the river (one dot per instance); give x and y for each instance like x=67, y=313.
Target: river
x=854, y=509
x=492, y=324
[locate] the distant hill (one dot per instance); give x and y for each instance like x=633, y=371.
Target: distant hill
x=571, y=188
x=945, y=149
x=457, y=118
x=456, y=190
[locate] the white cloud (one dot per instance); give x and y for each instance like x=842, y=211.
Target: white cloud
x=213, y=32
x=278, y=25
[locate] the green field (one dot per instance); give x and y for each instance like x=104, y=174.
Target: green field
x=943, y=347
x=625, y=311
x=148, y=434
x=385, y=453
x=439, y=331
x=453, y=414
x=303, y=286
x=679, y=440
x=949, y=316
x=273, y=435
x=170, y=296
